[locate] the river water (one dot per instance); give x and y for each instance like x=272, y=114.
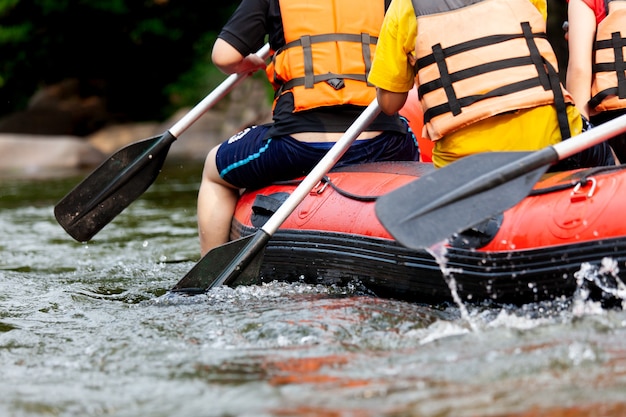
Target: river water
x=90, y=330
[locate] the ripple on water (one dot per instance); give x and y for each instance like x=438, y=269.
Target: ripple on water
x=90, y=330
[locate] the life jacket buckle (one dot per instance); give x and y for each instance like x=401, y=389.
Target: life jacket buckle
x=336, y=83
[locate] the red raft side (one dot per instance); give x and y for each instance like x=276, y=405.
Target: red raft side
x=529, y=253
x=572, y=215
x=327, y=210
x=582, y=213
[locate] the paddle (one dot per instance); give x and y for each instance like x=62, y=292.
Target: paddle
x=472, y=189
x=224, y=264
x=125, y=175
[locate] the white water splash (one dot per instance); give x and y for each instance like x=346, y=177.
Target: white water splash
x=596, y=275
x=441, y=329
x=512, y=320
x=440, y=252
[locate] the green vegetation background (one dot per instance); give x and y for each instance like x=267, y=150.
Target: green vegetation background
x=147, y=57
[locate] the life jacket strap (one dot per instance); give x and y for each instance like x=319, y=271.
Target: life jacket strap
x=308, y=61
x=446, y=80
x=366, y=41
x=329, y=37
x=559, y=102
x=616, y=43
x=535, y=55
x=331, y=78
x=335, y=80
x=547, y=76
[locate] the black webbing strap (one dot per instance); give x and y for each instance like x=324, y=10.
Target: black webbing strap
x=473, y=44
x=547, y=76
x=446, y=81
x=620, y=65
x=474, y=71
x=308, y=61
x=329, y=37
x=535, y=55
x=320, y=78
x=468, y=100
x=616, y=43
x=310, y=79
x=266, y=204
x=367, y=55
x=555, y=86
x=559, y=101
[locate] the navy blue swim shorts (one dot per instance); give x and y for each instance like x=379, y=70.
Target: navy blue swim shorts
x=250, y=160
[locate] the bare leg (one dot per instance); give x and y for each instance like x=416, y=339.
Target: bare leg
x=216, y=205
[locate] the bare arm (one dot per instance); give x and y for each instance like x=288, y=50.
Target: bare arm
x=230, y=61
x=389, y=101
x=581, y=35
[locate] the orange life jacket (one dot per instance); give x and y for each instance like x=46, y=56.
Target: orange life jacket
x=608, y=88
x=328, y=52
x=500, y=62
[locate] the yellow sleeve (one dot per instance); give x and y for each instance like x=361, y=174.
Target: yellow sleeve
x=542, y=6
x=391, y=69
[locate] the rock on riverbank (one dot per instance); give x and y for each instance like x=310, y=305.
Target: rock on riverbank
x=31, y=155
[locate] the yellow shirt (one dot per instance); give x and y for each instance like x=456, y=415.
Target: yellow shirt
x=524, y=130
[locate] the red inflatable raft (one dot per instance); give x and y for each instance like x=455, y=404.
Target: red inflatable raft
x=531, y=252
x=568, y=235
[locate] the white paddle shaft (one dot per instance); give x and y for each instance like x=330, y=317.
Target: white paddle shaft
x=595, y=135
x=323, y=166
x=216, y=95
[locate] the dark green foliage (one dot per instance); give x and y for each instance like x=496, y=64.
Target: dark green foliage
x=133, y=52
x=146, y=57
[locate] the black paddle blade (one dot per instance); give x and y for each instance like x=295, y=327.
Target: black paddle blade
x=458, y=196
x=115, y=184
x=236, y=261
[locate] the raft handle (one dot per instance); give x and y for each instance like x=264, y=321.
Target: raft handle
x=578, y=195
x=317, y=190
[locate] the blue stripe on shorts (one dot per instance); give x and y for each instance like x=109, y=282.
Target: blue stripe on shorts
x=246, y=160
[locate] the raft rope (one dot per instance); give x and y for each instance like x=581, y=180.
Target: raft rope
x=326, y=180
x=581, y=181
